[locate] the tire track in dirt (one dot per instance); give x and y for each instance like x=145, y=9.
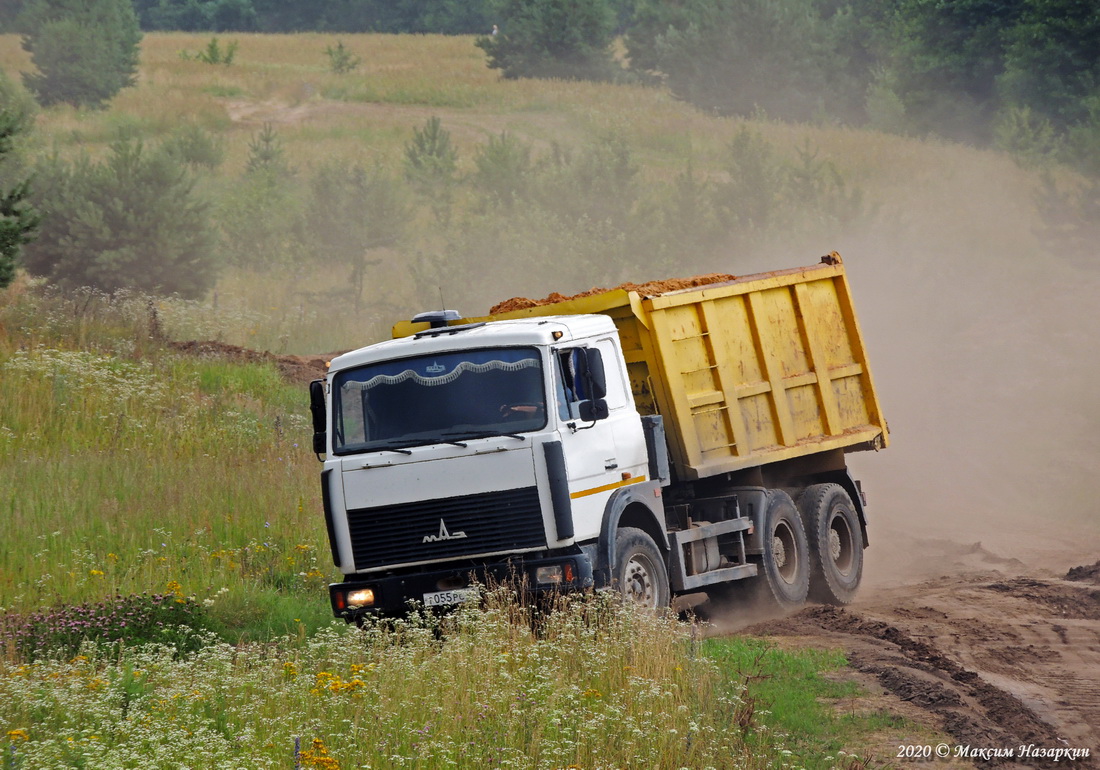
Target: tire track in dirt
x=995, y=661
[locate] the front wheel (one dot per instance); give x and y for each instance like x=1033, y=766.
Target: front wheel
x=836, y=543
x=640, y=573
x=786, y=558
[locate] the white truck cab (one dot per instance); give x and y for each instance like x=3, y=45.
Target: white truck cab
x=478, y=452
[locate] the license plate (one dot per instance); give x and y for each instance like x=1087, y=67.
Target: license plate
x=454, y=596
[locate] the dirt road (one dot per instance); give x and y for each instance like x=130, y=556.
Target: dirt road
x=993, y=652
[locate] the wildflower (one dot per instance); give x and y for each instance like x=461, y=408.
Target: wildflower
x=317, y=756
x=18, y=735
x=95, y=572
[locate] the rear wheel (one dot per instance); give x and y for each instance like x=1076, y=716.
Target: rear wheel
x=640, y=573
x=836, y=543
x=786, y=559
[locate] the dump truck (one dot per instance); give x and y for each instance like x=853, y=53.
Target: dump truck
x=666, y=445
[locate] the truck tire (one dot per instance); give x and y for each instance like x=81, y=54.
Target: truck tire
x=785, y=563
x=640, y=572
x=836, y=543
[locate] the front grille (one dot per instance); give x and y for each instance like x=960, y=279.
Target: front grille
x=491, y=522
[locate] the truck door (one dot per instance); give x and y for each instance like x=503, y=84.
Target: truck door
x=593, y=460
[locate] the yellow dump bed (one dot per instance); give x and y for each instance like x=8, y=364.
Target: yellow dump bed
x=760, y=369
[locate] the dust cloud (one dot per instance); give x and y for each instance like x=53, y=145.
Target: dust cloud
x=984, y=351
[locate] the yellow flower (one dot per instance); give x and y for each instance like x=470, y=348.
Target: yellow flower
x=317, y=756
x=18, y=735
x=95, y=572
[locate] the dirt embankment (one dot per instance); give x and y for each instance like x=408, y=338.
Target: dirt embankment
x=296, y=369
x=997, y=655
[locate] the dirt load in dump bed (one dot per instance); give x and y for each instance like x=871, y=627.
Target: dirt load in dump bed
x=992, y=653
x=650, y=289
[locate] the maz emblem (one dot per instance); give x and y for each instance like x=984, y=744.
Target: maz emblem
x=443, y=534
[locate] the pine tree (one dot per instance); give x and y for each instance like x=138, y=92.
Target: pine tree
x=86, y=51
x=131, y=221
x=17, y=219
x=568, y=39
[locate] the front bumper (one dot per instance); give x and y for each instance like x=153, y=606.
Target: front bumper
x=396, y=594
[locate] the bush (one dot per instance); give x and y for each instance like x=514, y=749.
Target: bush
x=504, y=170
x=132, y=221
x=1030, y=138
x=86, y=51
x=197, y=148
x=213, y=53
x=340, y=60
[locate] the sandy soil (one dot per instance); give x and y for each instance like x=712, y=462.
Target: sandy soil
x=650, y=289
x=993, y=652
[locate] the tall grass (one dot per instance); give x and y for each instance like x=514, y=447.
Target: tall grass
x=595, y=685
x=125, y=467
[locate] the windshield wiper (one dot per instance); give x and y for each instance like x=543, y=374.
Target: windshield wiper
x=383, y=448
x=479, y=434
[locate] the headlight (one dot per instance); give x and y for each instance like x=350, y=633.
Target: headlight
x=550, y=574
x=361, y=597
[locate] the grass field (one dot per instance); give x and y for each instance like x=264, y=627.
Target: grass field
x=129, y=470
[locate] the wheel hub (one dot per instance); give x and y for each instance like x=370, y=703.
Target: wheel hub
x=639, y=583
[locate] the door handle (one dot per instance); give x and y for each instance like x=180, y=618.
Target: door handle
x=610, y=465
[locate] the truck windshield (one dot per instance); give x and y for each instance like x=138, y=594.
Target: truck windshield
x=438, y=398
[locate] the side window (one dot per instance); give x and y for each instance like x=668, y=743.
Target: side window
x=570, y=388
x=616, y=388
x=567, y=388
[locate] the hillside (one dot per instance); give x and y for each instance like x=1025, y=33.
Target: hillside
x=983, y=342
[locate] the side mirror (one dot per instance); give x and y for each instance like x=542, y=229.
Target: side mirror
x=593, y=410
x=317, y=410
